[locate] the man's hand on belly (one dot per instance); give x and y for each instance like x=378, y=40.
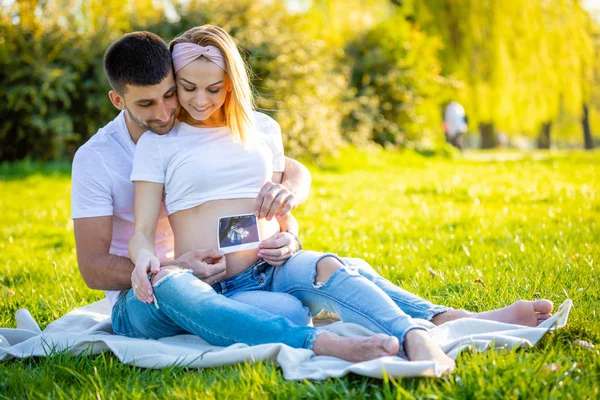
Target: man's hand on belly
x=208, y=265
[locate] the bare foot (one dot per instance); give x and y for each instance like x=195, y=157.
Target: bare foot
x=419, y=346
x=522, y=312
x=356, y=349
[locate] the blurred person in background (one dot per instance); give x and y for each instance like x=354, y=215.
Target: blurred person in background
x=455, y=125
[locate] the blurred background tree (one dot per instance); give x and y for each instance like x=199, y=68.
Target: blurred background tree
x=591, y=113
x=330, y=71
x=525, y=64
x=52, y=83
x=396, y=84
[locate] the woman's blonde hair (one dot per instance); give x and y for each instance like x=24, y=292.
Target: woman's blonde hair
x=239, y=104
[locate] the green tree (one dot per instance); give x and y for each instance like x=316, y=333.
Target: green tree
x=51, y=74
x=338, y=22
x=523, y=62
x=55, y=92
x=397, y=85
x=591, y=111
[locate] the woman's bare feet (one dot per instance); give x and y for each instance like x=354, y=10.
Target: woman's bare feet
x=419, y=346
x=356, y=349
x=522, y=312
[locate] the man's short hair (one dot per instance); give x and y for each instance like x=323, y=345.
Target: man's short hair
x=138, y=58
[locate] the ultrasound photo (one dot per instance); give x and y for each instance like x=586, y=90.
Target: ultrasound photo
x=238, y=232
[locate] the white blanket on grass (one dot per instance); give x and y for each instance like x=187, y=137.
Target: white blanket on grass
x=87, y=330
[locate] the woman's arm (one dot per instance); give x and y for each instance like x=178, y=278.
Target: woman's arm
x=148, y=197
x=277, y=249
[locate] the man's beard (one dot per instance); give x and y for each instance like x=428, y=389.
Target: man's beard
x=150, y=126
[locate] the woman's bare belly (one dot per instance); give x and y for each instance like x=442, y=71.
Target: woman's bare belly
x=196, y=228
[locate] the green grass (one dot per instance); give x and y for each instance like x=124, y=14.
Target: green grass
x=526, y=228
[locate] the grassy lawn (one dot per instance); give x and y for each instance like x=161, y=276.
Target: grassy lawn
x=491, y=231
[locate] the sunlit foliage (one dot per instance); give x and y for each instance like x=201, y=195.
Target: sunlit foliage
x=524, y=63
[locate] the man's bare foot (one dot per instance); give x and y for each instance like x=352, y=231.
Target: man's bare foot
x=356, y=349
x=419, y=346
x=522, y=312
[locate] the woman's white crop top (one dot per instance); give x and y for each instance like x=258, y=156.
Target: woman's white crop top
x=197, y=165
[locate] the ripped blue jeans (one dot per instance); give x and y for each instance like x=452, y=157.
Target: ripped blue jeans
x=235, y=311
x=353, y=297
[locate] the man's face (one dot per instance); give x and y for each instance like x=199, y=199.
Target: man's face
x=153, y=108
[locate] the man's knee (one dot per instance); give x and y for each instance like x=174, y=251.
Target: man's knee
x=326, y=267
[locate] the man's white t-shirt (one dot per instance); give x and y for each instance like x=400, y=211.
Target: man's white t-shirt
x=101, y=187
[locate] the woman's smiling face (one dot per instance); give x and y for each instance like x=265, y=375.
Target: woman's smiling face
x=202, y=88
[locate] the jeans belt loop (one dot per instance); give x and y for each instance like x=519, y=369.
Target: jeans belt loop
x=223, y=287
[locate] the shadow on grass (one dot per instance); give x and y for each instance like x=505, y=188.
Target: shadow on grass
x=24, y=169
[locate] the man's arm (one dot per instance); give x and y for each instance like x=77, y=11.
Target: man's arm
x=297, y=179
x=99, y=269
x=103, y=271
x=285, y=192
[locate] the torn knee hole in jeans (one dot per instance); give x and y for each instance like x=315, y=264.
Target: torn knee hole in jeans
x=343, y=267
x=170, y=273
x=318, y=285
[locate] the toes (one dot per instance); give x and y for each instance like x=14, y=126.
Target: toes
x=543, y=306
x=542, y=317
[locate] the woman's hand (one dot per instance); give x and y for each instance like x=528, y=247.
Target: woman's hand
x=145, y=262
x=277, y=249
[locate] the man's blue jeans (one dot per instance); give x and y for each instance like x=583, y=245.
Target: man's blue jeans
x=256, y=306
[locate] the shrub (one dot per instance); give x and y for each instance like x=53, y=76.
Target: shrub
x=397, y=85
x=55, y=92
x=53, y=89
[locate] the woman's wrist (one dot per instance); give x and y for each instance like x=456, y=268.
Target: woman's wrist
x=143, y=253
x=296, y=239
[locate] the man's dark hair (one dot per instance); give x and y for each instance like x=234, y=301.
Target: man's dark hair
x=138, y=58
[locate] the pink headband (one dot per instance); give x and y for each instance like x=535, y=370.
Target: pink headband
x=185, y=53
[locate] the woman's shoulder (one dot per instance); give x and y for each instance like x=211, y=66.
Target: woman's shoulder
x=166, y=144
x=175, y=130
x=265, y=123
x=150, y=136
